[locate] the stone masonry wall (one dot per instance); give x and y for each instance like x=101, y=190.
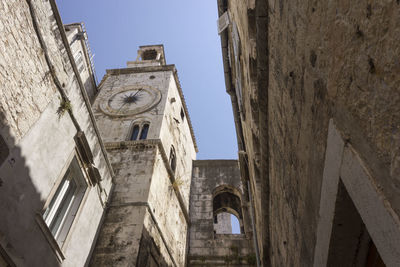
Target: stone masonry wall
x=118, y=243
x=175, y=131
x=40, y=142
x=167, y=213
x=163, y=234
x=326, y=59
x=242, y=13
x=338, y=59
x=206, y=247
x=23, y=67
x=223, y=225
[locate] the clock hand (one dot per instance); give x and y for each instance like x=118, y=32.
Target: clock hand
x=137, y=92
x=121, y=107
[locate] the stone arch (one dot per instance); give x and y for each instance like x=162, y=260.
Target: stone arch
x=228, y=199
x=136, y=129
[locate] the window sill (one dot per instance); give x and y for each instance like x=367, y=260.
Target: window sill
x=50, y=238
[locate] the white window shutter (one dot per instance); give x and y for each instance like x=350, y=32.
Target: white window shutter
x=223, y=22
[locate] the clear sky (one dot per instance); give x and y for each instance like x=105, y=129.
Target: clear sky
x=188, y=30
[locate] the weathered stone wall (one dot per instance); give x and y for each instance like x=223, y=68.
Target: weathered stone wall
x=326, y=59
x=26, y=83
x=40, y=142
x=122, y=126
x=165, y=118
x=119, y=240
x=144, y=218
x=163, y=193
x=176, y=131
x=223, y=225
x=242, y=14
x=205, y=246
x=167, y=212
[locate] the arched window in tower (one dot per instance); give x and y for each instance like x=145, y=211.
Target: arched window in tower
x=145, y=130
x=150, y=54
x=135, y=132
x=227, y=211
x=172, y=159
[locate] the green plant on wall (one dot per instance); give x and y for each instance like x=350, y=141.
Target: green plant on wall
x=177, y=183
x=65, y=105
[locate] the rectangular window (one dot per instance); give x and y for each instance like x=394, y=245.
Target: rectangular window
x=64, y=204
x=79, y=61
x=182, y=114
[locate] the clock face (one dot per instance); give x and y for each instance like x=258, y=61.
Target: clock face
x=131, y=101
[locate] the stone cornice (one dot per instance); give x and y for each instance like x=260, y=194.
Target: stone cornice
x=140, y=144
x=140, y=69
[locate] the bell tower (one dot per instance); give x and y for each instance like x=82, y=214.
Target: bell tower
x=146, y=128
x=149, y=55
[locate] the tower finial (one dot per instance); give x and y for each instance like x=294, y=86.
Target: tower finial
x=148, y=55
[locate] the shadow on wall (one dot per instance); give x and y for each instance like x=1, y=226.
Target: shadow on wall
x=149, y=253
x=22, y=243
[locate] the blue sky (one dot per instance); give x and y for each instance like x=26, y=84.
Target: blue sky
x=188, y=30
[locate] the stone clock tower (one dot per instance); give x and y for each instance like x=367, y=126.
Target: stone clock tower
x=145, y=126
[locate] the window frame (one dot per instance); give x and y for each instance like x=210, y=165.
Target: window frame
x=81, y=64
x=133, y=131
x=67, y=227
x=224, y=191
x=142, y=129
x=141, y=125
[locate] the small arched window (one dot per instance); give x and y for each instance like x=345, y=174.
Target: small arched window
x=172, y=159
x=227, y=211
x=135, y=132
x=139, y=131
x=143, y=133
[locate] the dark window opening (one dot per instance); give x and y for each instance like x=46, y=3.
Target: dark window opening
x=350, y=240
x=149, y=54
x=182, y=114
x=143, y=134
x=135, y=132
x=172, y=159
